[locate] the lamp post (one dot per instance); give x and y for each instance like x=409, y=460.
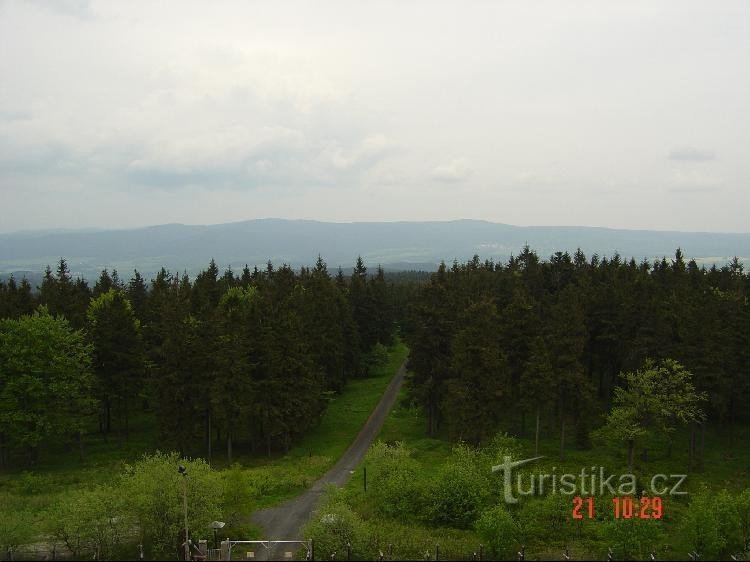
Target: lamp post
x=216, y=525
x=183, y=471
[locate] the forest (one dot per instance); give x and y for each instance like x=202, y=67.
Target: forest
x=585, y=360
x=532, y=344
x=219, y=360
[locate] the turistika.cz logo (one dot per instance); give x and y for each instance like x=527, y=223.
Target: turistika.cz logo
x=591, y=481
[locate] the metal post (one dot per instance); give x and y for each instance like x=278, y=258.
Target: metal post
x=312, y=549
x=348, y=551
x=437, y=552
x=481, y=551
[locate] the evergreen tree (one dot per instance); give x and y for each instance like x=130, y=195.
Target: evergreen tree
x=118, y=356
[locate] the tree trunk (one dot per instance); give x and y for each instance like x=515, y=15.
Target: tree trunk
x=432, y=414
x=691, y=447
x=631, y=452
x=229, y=447
x=127, y=421
x=536, y=433
x=208, y=438
x=562, y=439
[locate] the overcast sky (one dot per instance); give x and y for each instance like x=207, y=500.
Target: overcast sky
x=632, y=114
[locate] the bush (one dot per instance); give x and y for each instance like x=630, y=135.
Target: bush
x=17, y=528
x=153, y=489
x=461, y=489
x=89, y=522
x=500, y=532
x=743, y=513
x=238, y=494
x=375, y=358
x=711, y=525
x=335, y=527
x=394, y=480
x=631, y=539
x=549, y=517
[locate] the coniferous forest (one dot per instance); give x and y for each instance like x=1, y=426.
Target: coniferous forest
x=582, y=359
x=535, y=343
x=220, y=359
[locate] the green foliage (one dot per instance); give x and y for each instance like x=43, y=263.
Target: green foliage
x=632, y=539
x=548, y=516
x=17, y=527
x=654, y=399
x=239, y=494
x=470, y=400
x=45, y=380
x=742, y=503
x=335, y=527
x=701, y=525
x=500, y=532
x=393, y=480
x=462, y=488
x=89, y=522
x=118, y=357
x=153, y=492
x=376, y=357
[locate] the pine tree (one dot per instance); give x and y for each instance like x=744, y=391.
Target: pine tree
x=118, y=356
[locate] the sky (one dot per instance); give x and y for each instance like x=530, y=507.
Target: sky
x=617, y=114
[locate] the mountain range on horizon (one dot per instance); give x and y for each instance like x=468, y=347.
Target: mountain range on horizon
x=400, y=245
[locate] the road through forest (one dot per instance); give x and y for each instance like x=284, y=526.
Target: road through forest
x=285, y=522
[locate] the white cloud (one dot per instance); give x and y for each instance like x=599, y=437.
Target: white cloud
x=692, y=154
x=455, y=171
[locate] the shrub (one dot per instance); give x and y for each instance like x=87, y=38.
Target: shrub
x=153, y=491
x=17, y=528
x=89, y=522
x=394, y=480
x=500, y=532
x=631, y=539
x=335, y=527
x=702, y=526
x=461, y=489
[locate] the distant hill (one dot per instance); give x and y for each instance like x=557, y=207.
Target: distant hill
x=394, y=245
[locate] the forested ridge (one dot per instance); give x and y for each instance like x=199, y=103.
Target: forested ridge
x=533, y=345
x=221, y=359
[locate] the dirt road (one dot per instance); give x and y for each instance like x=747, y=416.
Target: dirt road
x=285, y=521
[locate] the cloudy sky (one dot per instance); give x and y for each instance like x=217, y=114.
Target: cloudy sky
x=622, y=114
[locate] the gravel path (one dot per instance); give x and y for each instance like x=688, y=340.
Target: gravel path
x=285, y=521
